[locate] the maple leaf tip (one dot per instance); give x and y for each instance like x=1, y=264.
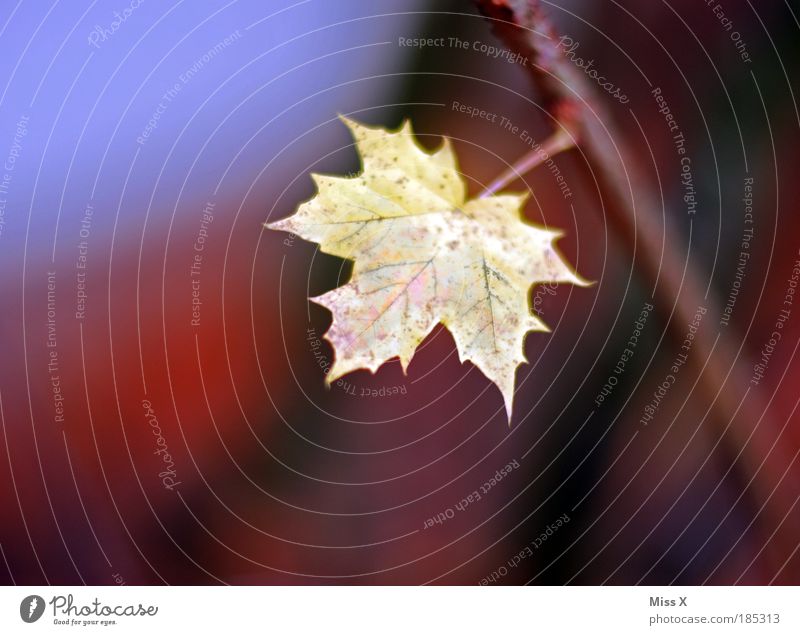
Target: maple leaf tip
x=522, y=197
x=405, y=126
x=445, y=149
x=324, y=300
x=574, y=277
x=335, y=371
x=354, y=126
x=508, y=401
x=580, y=281
x=331, y=377
x=403, y=364
x=277, y=225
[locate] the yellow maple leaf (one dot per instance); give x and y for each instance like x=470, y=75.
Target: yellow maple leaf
x=425, y=254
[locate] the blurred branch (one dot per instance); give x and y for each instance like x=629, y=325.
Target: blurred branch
x=739, y=416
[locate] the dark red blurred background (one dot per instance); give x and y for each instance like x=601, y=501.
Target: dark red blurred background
x=271, y=477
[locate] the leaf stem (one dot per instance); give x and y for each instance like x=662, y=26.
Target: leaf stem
x=559, y=141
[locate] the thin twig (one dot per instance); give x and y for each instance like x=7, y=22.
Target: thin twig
x=559, y=141
x=743, y=426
